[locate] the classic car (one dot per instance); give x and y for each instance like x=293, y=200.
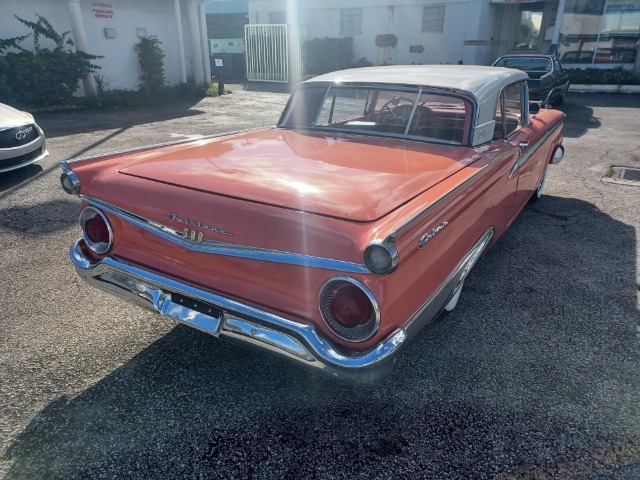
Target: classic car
x=548, y=82
x=21, y=139
x=334, y=237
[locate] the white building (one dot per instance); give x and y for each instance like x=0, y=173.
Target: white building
x=599, y=33
x=111, y=29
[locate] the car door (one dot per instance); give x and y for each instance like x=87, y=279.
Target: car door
x=527, y=170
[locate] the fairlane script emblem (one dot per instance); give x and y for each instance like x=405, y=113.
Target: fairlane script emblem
x=186, y=221
x=22, y=134
x=428, y=236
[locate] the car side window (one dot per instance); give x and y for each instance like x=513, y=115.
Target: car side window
x=509, y=111
x=512, y=105
x=557, y=65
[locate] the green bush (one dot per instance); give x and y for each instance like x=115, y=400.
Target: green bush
x=322, y=55
x=42, y=77
x=597, y=76
x=212, y=91
x=151, y=59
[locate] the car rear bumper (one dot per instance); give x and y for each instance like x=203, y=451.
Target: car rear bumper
x=237, y=322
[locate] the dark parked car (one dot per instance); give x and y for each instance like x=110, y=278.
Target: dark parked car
x=548, y=82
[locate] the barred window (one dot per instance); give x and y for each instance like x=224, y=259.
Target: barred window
x=277, y=18
x=433, y=18
x=351, y=21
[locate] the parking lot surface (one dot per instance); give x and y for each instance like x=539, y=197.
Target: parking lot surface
x=536, y=374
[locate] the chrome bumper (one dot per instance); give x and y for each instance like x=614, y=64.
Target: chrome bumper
x=237, y=322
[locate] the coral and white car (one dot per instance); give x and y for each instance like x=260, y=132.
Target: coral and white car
x=333, y=238
x=22, y=141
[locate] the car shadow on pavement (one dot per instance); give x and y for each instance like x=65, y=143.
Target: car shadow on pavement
x=71, y=122
x=42, y=218
x=580, y=111
x=15, y=177
x=534, y=375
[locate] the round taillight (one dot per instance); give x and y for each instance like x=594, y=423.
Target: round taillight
x=96, y=230
x=380, y=259
x=351, y=306
x=349, y=309
x=70, y=183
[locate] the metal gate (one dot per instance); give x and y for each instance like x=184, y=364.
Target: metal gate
x=267, y=53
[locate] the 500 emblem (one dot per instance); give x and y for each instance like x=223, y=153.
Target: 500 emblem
x=192, y=235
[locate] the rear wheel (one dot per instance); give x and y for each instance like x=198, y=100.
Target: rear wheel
x=538, y=191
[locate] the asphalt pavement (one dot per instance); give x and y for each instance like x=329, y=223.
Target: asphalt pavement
x=536, y=374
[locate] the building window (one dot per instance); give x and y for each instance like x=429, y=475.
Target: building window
x=351, y=21
x=600, y=32
x=277, y=18
x=433, y=18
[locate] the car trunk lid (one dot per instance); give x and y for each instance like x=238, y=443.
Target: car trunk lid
x=357, y=178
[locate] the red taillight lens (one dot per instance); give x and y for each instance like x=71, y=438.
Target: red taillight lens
x=349, y=309
x=351, y=306
x=96, y=230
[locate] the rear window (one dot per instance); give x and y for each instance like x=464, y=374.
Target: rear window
x=537, y=64
x=411, y=113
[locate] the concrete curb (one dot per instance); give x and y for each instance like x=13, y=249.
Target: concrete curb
x=583, y=88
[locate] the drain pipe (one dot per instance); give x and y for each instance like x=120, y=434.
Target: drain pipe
x=181, y=59
x=204, y=38
x=196, y=44
x=81, y=44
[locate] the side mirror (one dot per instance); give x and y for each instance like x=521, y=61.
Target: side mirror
x=534, y=107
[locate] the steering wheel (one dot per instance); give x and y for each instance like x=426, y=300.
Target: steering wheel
x=397, y=111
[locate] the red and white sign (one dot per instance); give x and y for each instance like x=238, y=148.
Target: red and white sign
x=102, y=10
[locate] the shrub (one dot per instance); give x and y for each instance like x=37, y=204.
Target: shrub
x=151, y=60
x=322, y=55
x=597, y=76
x=212, y=91
x=42, y=77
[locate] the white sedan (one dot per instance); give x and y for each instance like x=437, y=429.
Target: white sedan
x=21, y=139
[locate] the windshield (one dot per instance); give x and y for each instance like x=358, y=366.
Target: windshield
x=537, y=64
x=385, y=111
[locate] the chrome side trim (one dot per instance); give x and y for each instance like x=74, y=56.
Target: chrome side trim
x=227, y=249
x=158, y=145
x=238, y=322
x=531, y=150
x=429, y=208
x=448, y=289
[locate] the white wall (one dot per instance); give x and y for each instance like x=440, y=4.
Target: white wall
x=469, y=21
x=120, y=62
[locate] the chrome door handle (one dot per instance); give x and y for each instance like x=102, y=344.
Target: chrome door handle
x=524, y=145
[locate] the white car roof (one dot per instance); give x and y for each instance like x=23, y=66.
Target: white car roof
x=484, y=83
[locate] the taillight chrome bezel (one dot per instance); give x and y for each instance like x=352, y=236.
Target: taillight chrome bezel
x=97, y=247
x=357, y=334
x=389, y=250
x=69, y=181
